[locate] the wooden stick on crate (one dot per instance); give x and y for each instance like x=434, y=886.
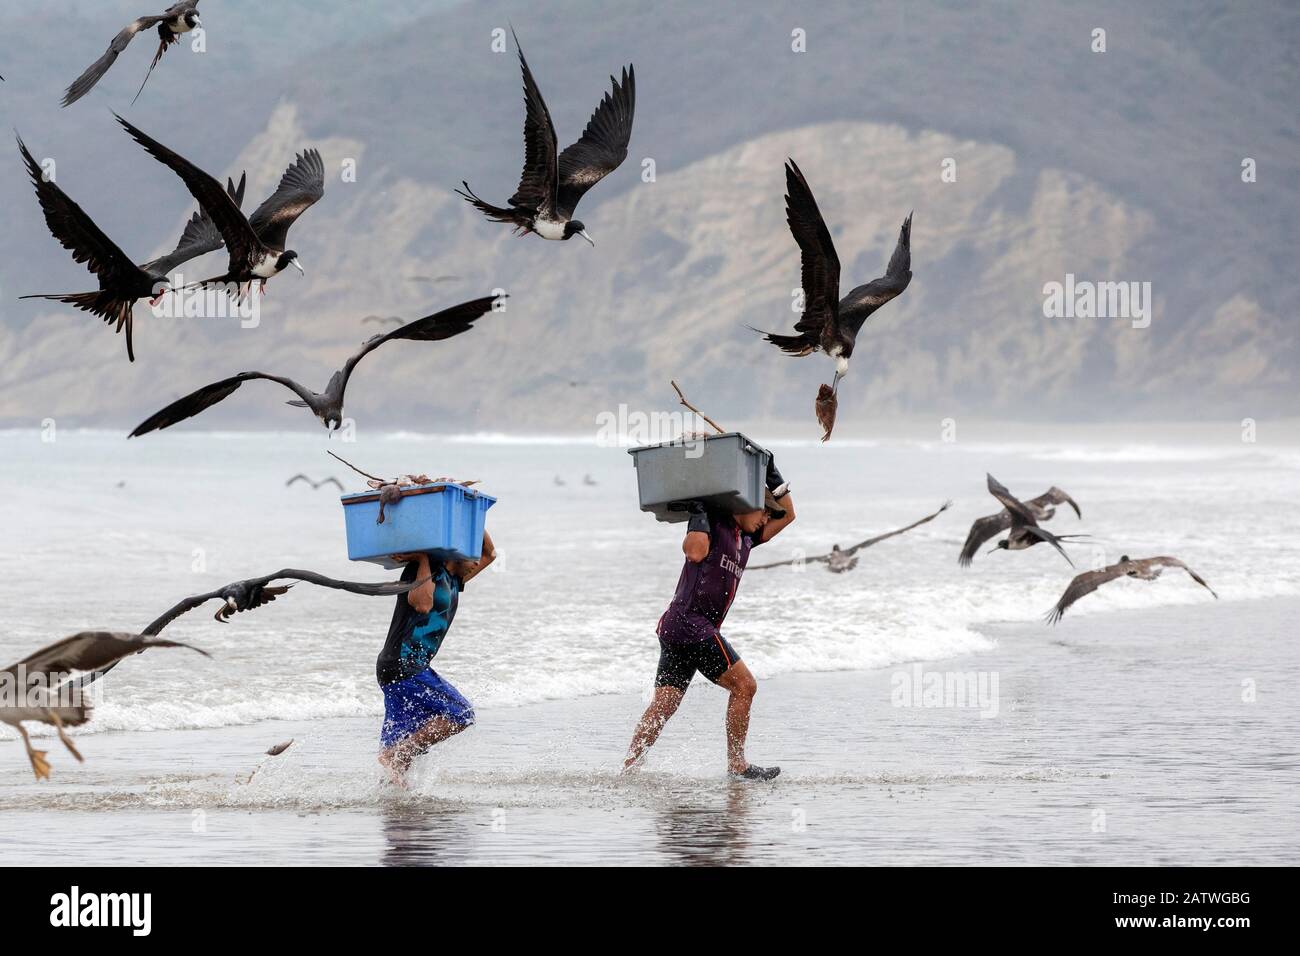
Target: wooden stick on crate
x=682, y=398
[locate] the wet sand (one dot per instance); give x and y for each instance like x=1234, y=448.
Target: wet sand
x=1122, y=738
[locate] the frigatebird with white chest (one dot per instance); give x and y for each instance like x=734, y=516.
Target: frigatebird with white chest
x=829, y=323
x=990, y=526
x=122, y=283
x=552, y=181
x=328, y=405
x=1025, y=532
x=256, y=245
x=172, y=23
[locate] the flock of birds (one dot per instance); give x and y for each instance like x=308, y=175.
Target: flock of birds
x=1021, y=520
x=545, y=203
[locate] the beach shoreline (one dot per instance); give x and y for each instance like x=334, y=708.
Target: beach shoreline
x=1124, y=738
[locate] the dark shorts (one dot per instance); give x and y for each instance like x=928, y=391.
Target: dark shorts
x=679, y=660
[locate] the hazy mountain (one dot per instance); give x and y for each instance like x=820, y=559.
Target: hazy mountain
x=1115, y=166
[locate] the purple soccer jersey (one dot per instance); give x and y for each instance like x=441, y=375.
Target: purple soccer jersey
x=705, y=590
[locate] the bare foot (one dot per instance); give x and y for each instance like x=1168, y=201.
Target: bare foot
x=396, y=775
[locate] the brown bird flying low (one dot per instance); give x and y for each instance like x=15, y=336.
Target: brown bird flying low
x=1143, y=569
x=87, y=651
x=839, y=560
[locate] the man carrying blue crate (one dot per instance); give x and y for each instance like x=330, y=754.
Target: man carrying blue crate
x=717, y=547
x=420, y=708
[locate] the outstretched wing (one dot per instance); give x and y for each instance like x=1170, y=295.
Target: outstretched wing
x=603, y=145
x=818, y=558
x=370, y=589
x=199, y=237
x=204, y=398
x=982, y=530
x=1054, y=496
x=95, y=72
x=78, y=233
x=91, y=651
x=819, y=265
x=241, y=242
x=1019, y=513
x=539, y=180
x=1084, y=584
x=301, y=187
x=881, y=537
x=861, y=302
x=1168, y=562
x=431, y=328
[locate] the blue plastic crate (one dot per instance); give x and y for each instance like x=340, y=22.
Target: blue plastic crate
x=443, y=519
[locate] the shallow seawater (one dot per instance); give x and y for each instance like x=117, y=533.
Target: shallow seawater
x=1122, y=735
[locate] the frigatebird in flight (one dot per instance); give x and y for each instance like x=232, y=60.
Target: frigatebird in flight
x=327, y=405
x=1143, y=569
x=248, y=595
x=839, y=560
x=552, y=181
x=990, y=526
x=122, y=283
x=178, y=19
x=830, y=324
x=256, y=245
x=1025, y=532
x=95, y=651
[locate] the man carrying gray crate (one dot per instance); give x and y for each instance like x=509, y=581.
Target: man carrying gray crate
x=717, y=547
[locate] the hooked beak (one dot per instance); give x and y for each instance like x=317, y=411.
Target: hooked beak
x=835, y=384
x=198, y=22
x=298, y=265
x=588, y=238
x=992, y=550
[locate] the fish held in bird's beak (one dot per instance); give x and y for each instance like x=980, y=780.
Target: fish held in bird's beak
x=827, y=403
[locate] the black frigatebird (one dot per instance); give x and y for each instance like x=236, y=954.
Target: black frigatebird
x=256, y=245
x=552, y=182
x=327, y=405
x=248, y=595
x=990, y=526
x=1025, y=532
x=828, y=323
x=178, y=19
x=122, y=283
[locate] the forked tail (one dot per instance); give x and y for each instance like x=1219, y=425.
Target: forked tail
x=110, y=308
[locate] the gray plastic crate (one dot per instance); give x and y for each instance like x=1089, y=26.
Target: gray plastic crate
x=727, y=472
